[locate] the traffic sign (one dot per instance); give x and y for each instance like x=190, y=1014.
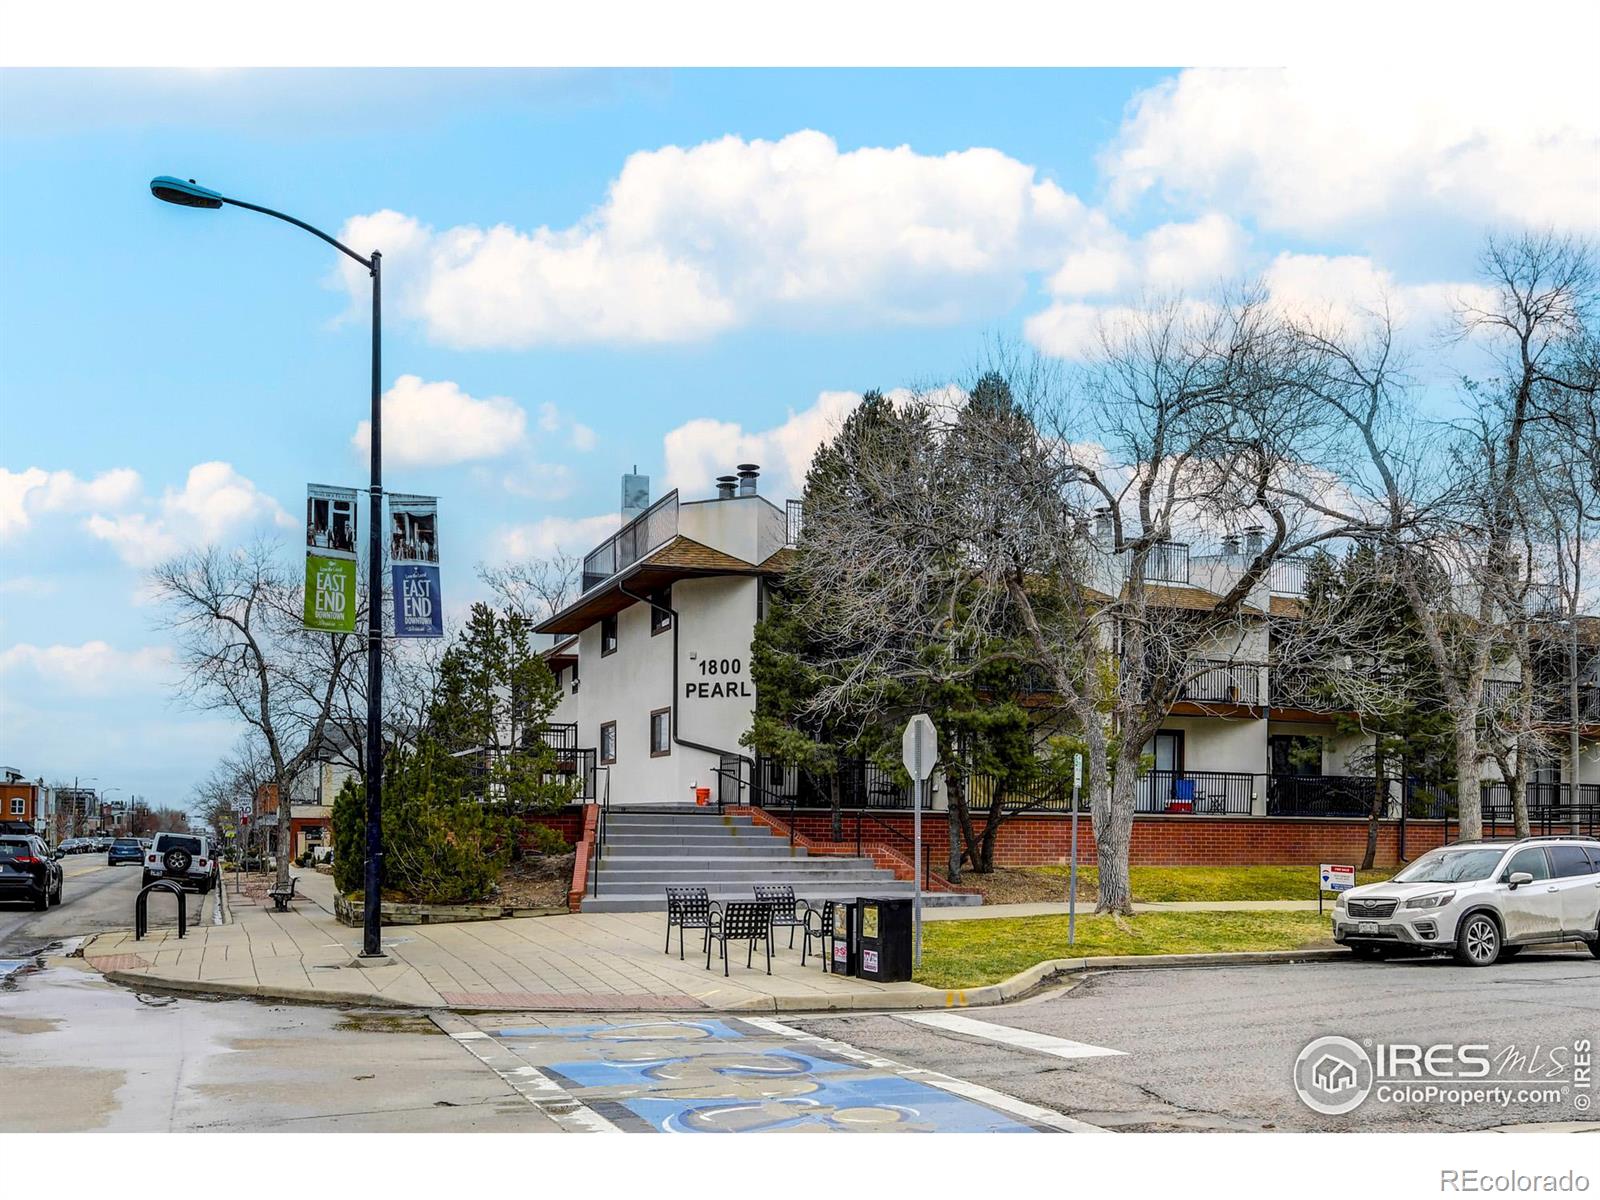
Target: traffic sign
x=919, y=746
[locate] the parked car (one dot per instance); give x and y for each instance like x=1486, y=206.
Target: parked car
x=1482, y=901
x=188, y=858
x=125, y=850
x=28, y=871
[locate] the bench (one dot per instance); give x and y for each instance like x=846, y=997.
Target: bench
x=281, y=895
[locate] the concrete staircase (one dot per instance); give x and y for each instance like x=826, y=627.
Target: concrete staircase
x=727, y=854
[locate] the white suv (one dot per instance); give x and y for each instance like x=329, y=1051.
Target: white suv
x=184, y=857
x=1484, y=901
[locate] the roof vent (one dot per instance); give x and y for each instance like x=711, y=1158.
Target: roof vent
x=1254, y=539
x=726, y=485
x=747, y=478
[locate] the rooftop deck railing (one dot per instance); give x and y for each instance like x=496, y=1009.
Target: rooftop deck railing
x=651, y=528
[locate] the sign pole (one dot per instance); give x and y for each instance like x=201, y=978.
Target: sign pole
x=916, y=868
x=1072, y=866
x=919, y=748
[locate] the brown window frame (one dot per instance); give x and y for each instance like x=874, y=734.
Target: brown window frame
x=661, y=614
x=659, y=712
x=616, y=635
x=605, y=725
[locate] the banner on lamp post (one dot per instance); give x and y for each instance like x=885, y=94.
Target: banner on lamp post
x=414, y=565
x=330, y=559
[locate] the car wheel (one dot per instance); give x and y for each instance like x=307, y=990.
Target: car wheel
x=55, y=896
x=42, y=902
x=146, y=880
x=1478, y=941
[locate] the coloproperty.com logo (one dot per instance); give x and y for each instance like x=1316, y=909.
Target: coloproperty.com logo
x=1336, y=1075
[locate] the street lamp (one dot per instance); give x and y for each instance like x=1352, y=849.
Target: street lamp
x=188, y=194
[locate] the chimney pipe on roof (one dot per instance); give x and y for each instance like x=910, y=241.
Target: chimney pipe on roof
x=1104, y=530
x=747, y=478
x=1254, y=539
x=635, y=494
x=725, y=487
x=1230, y=544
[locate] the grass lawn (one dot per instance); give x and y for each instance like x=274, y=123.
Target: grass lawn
x=963, y=954
x=1154, y=884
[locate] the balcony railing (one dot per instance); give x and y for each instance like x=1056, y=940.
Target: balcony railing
x=1215, y=793
x=1322, y=796
x=1539, y=795
x=1167, y=562
x=1225, y=683
x=794, y=519
x=1289, y=576
x=862, y=784
x=651, y=528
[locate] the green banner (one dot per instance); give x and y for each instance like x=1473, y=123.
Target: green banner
x=330, y=594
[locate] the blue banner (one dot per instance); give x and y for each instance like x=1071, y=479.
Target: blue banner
x=417, y=610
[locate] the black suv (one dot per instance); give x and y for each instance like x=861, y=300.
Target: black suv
x=28, y=872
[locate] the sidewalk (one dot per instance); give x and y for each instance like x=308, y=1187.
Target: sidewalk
x=587, y=962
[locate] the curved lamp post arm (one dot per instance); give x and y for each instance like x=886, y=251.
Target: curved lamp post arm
x=311, y=229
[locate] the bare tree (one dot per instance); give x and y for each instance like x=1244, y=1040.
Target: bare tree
x=236, y=616
x=536, y=588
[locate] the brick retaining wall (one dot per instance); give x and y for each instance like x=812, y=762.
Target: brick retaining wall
x=1028, y=841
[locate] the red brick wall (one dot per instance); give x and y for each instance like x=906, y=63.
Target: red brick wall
x=587, y=818
x=568, y=822
x=1159, y=840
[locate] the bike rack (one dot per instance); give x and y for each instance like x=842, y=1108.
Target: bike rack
x=141, y=916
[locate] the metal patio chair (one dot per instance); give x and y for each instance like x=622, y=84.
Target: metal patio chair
x=741, y=921
x=688, y=908
x=781, y=897
x=821, y=930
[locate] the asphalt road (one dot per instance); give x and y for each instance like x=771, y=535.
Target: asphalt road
x=1214, y=1048
x=94, y=898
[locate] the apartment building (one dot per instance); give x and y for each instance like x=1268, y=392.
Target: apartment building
x=653, y=657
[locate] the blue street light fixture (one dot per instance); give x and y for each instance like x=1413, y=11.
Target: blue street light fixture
x=189, y=194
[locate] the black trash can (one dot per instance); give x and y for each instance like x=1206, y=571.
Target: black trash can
x=885, y=927
x=846, y=945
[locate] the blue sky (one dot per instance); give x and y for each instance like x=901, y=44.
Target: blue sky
x=591, y=269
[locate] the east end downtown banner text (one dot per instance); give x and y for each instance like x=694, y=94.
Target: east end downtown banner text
x=331, y=540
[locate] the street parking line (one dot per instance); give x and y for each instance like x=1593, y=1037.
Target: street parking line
x=537, y=1088
x=1006, y=1035
x=946, y=1083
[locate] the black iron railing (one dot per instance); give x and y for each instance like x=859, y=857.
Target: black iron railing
x=597, y=848
x=1541, y=795
x=1167, y=562
x=654, y=526
x=981, y=792
x=1543, y=820
x=1213, y=793
x=1289, y=576
x=1321, y=796
x=862, y=784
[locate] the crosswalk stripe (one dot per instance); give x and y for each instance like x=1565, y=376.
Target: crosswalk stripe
x=1024, y=1039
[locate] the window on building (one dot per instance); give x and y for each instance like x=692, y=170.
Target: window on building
x=608, y=634
x=608, y=742
x=660, y=611
x=18, y=806
x=660, y=732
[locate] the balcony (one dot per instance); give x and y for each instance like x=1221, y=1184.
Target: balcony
x=794, y=519
x=652, y=528
x=1168, y=562
x=1207, y=793
x=1289, y=576
x=1225, y=683
x=1323, y=796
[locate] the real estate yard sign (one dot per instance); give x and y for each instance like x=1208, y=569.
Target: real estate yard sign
x=330, y=559
x=414, y=565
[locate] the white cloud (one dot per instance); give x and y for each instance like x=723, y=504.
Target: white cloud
x=92, y=669
x=574, y=535
x=215, y=503
x=1343, y=287
x=693, y=241
x=1172, y=257
x=1309, y=149
x=437, y=424
x=1068, y=329
x=582, y=437
x=26, y=493
x=699, y=450
x=541, y=481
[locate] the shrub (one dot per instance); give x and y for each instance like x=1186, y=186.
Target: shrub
x=543, y=839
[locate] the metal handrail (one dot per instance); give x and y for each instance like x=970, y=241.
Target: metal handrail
x=632, y=542
x=597, y=847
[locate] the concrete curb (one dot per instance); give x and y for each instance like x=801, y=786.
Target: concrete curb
x=987, y=995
